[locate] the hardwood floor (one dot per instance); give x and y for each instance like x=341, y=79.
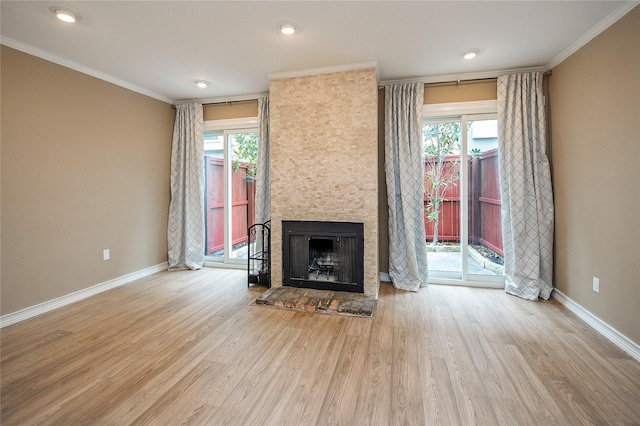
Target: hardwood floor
x=187, y=347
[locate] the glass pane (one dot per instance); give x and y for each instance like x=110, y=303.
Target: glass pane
x=485, y=230
x=442, y=195
x=244, y=152
x=214, y=193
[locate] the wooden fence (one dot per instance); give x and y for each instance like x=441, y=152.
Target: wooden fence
x=242, y=204
x=484, y=203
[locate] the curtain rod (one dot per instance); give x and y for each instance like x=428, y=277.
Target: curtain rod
x=452, y=82
x=244, y=101
x=460, y=81
x=224, y=103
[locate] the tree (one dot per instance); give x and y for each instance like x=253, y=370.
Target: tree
x=440, y=141
x=245, y=153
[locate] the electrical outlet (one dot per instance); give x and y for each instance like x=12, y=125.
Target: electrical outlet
x=105, y=254
x=596, y=284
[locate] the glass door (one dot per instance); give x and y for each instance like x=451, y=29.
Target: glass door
x=484, y=236
x=442, y=196
x=462, y=199
x=230, y=168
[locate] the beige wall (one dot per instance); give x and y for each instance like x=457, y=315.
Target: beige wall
x=462, y=92
x=433, y=94
x=85, y=167
x=324, y=161
x=595, y=128
x=239, y=109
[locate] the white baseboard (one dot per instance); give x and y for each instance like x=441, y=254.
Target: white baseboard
x=50, y=305
x=619, y=339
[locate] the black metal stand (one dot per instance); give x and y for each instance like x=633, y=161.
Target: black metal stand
x=259, y=269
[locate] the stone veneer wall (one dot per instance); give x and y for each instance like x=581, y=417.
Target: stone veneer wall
x=324, y=159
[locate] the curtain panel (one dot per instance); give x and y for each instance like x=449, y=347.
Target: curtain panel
x=263, y=193
x=185, y=231
x=404, y=170
x=263, y=181
x=525, y=185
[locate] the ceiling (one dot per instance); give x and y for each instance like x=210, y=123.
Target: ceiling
x=159, y=48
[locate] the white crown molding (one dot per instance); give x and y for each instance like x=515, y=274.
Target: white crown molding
x=617, y=338
x=445, y=78
x=228, y=99
x=34, y=51
x=324, y=70
x=50, y=305
x=625, y=8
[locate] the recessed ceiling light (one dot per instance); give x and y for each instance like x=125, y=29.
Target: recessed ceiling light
x=470, y=54
x=64, y=14
x=201, y=83
x=287, y=28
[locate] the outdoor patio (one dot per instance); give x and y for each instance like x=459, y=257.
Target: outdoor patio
x=450, y=261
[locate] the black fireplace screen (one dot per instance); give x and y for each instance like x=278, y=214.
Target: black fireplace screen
x=323, y=255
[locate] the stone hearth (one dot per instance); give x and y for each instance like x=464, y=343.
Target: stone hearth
x=323, y=301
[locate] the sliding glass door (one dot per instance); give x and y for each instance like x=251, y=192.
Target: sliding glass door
x=442, y=199
x=484, y=236
x=230, y=168
x=462, y=199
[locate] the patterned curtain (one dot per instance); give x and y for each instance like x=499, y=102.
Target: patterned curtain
x=263, y=181
x=263, y=193
x=525, y=185
x=185, y=233
x=404, y=170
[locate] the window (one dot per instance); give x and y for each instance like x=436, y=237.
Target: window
x=462, y=194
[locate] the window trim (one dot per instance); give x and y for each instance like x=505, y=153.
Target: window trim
x=453, y=109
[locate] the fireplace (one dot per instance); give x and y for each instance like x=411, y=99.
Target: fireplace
x=324, y=158
x=323, y=255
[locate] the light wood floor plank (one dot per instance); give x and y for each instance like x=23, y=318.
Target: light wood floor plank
x=341, y=396
x=187, y=347
x=373, y=406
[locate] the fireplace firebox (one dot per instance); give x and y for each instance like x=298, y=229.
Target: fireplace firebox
x=323, y=255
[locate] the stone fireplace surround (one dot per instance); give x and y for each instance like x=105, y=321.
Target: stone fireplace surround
x=323, y=157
